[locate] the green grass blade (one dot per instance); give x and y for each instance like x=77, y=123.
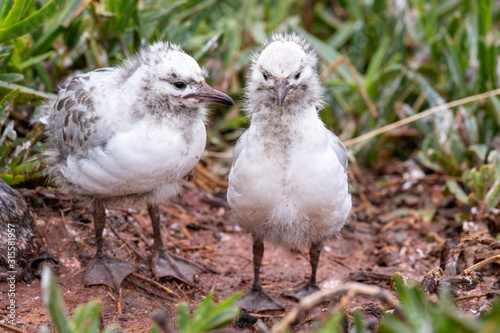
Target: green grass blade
x=5, y=50
x=11, y=77
x=455, y=66
x=6, y=104
x=6, y=6
x=211, y=42
x=15, y=13
x=34, y=60
x=492, y=198
x=32, y=22
x=31, y=93
x=457, y=191
x=183, y=317
x=53, y=301
x=496, y=108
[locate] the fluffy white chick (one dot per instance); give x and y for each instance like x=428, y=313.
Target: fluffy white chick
x=129, y=134
x=288, y=182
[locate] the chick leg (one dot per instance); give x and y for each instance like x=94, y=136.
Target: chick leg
x=165, y=264
x=103, y=269
x=257, y=299
x=310, y=286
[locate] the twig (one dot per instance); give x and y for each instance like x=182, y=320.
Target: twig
x=126, y=242
x=351, y=289
x=418, y=103
x=87, y=246
x=480, y=265
x=119, y=303
x=47, y=225
x=404, y=278
x=260, y=315
x=111, y=296
x=64, y=221
x=154, y=283
x=465, y=298
x=182, y=291
x=421, y=115
x=217, y=154
x=209, y=178
x=364, y=94
x=10, y=328
x=361, y=88
x=187, y=218
x=333, y=66
x=151, y=292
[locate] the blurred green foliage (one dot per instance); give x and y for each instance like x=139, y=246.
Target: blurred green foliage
x=415, y=314
x=87, y=317
x=207, y=316
x=407, y=55
x=418, y=314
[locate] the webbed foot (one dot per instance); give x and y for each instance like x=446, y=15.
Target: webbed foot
x=108, y=271
x=165, y=264
x=257, y=300
x=302, y=291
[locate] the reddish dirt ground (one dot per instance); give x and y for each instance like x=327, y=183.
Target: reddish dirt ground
x=396, y=226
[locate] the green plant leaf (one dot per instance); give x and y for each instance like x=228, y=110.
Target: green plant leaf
x=492, y=197
x=15, y=13
x=53, y=301
x=32, y=22
x=183, y=317
x=34, y=60
x=11, y=77
x=457, y=191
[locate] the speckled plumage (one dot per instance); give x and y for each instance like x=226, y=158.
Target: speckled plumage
x=125, y=133
x=129, y=134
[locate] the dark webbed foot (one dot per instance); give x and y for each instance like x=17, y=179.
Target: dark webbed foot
x=310, y=286
x=302, y=291
x=256, y=300
x=108, y=271
x=165, y=264
x=104, y=269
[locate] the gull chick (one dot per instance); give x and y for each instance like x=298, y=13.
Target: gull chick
x=288, y=182
x=128, y=135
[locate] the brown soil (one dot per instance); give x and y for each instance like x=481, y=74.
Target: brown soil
x=396, y=226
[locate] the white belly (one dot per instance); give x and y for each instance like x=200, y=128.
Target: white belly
x=136, y=161
x=290, y=202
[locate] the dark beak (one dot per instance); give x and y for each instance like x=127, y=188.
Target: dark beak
x=281, y=89
x=208, y=94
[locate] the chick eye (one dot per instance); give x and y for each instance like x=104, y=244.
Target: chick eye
x=297, y=76
x=265, y=76
x=180, y=85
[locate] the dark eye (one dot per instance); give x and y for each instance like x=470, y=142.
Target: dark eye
x=297, y=76
x=180, y=85
x=265, y=76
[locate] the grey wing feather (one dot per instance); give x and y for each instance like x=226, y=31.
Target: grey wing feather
x=240, y=145
x=338, y=147
x=73, y=121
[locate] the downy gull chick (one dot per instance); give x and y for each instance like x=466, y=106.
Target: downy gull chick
x=288, y=182
x=129, y=134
